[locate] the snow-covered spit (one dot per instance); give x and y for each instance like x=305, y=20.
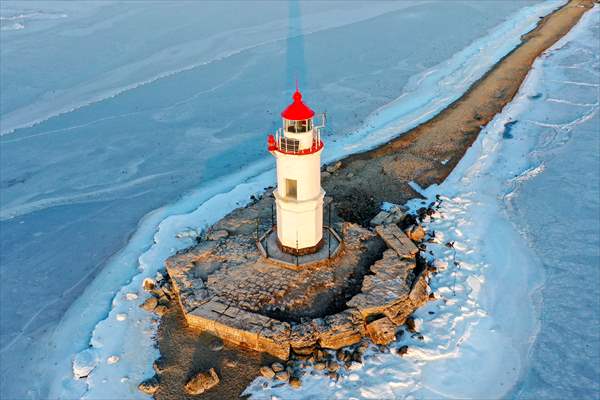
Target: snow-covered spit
x=114, y=347
x=515, y=317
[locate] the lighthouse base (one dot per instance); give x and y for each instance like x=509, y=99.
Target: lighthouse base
x=300, y=252
x=272, y=251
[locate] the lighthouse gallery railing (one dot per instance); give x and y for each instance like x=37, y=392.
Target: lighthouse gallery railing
x=292, y=146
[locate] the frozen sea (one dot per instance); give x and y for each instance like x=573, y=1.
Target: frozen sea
x=124, y=124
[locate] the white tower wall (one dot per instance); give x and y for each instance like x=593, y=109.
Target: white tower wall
x=299, y=217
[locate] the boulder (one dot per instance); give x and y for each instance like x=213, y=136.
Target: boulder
x=267, y=372
x=295, y=382
x=402, y=350
x=277, y=367
x=282, y=376
x=202, y=382
x=397, y=240
x=393, y=215
x=380, y=218
x=150, y=304
x=382, y=331
x=332, y=366
x=216, y=235
x=149, y=284
x=149, y=386
x=159, y=365
x=319, y=366
x=160, y=310
x=416, y=233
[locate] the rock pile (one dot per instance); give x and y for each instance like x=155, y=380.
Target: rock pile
x=161, y=294
x=202, y=382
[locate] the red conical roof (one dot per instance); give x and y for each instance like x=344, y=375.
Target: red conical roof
x=297, y=110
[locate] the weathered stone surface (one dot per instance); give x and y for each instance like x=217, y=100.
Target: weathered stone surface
x=303, y=336
x=397, y=240
x=382, y=331
x=338, y=330
x=149, y=386
x=275, y=340
x=202, y=382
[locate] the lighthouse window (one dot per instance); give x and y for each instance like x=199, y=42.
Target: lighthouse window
x=291, y=188
x=301, y=126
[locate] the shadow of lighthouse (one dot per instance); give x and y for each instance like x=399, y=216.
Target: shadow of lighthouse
x=295, y=63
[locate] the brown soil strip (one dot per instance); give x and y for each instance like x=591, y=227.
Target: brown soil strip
x=382, y=174
x=363, y=182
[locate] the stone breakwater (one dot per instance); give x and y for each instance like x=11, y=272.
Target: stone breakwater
x=226, y=287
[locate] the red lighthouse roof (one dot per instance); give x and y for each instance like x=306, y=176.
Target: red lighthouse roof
x=297, y=110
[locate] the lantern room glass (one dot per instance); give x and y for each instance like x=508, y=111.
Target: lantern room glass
x=300, y=126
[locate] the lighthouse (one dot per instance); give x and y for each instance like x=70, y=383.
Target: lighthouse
x=297, y=148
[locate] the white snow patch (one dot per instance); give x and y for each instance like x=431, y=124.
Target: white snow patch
x=84, y=362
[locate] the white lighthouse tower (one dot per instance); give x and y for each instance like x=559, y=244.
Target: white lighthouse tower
x=297, y=148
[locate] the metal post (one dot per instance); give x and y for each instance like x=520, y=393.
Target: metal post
x=257, y=222
x=329, y=229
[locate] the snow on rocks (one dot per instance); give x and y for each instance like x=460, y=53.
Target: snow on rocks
x=113, y=359
x=189, y=233
x=131, y=296
x=84, y=362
